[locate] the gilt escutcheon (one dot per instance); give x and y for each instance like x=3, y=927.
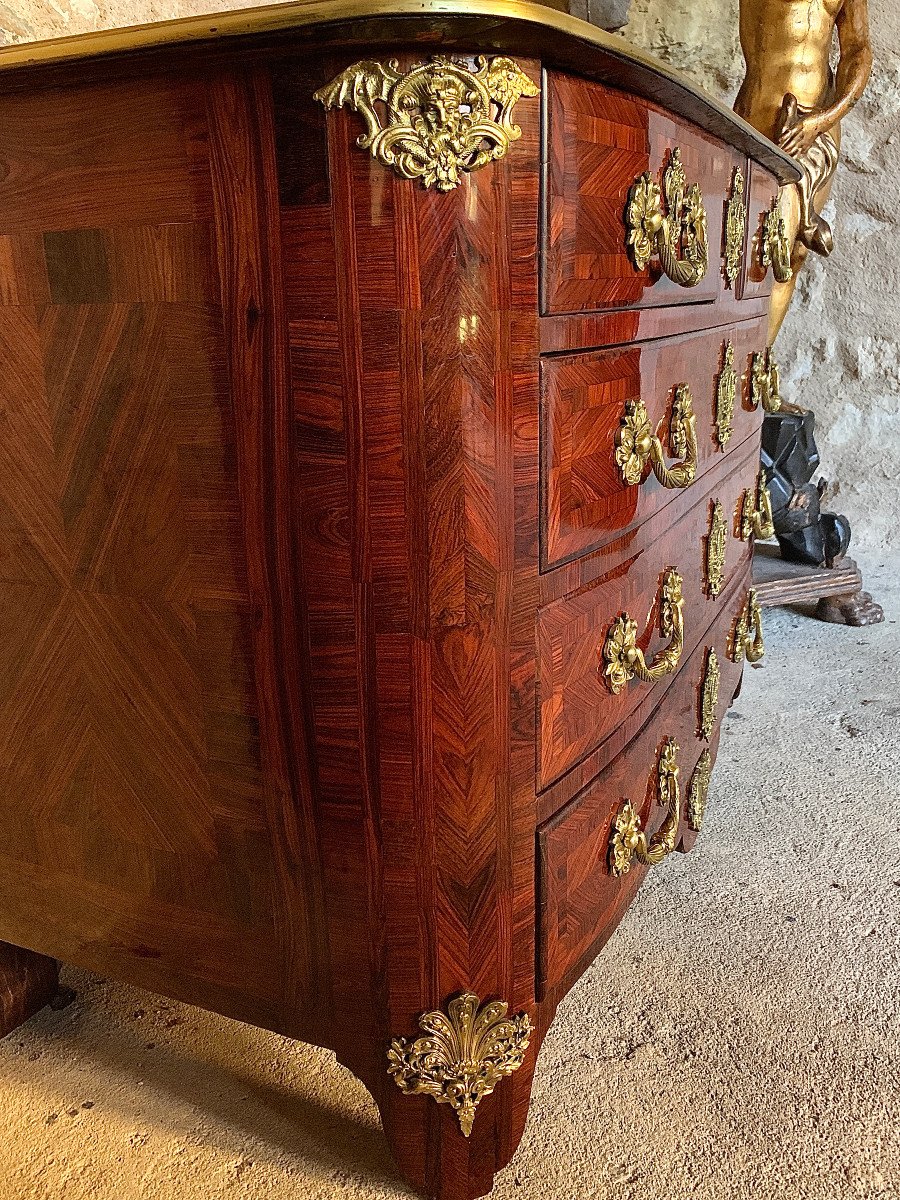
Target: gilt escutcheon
x=716, y=548
x=698, y=791
x=439, y=119
x=709, y=694
x=735, y=228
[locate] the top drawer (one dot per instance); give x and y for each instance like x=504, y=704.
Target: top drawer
x=599, y=143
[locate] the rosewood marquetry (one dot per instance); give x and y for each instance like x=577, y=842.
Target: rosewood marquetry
x=313, y=528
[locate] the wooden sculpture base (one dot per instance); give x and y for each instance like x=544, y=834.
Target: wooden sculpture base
x=837, y=591
x=28, y=983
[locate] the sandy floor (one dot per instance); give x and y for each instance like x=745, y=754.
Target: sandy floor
x=740, y=1035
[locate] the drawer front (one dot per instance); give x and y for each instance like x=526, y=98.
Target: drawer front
x=581, y=900
x=758, y=274
x=599, y=144
x=580, y=702
x=586, y=499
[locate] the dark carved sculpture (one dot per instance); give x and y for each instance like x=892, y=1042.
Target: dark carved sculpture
x=805, y=533
x=790, y=458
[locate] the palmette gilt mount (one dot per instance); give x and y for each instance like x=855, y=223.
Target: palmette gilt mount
x=441, y=118
x=462, y=1055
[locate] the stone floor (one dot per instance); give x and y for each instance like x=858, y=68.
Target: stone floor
x=739, y=1037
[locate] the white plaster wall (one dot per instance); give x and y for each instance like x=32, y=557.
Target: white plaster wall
x=839, y=348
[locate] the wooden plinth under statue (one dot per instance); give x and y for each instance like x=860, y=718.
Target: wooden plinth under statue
x=792, y=94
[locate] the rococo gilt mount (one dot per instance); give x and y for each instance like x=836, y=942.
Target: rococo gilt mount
x=383, y=398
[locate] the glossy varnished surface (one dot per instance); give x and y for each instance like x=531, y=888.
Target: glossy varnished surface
x=587, y=502
x=310, y=535
x=599, y=141
x=577, y=709
x=135, y=833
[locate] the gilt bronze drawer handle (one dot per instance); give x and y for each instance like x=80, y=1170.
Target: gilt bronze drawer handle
x=775, y=251
x=637, y=444
x=748, y=634
x=623, y=657
x=756, y=512
x=765, y=382
x=463, y=1054
x=735, y=228
x=680, y=230
x=629, y=841
x=440, y=118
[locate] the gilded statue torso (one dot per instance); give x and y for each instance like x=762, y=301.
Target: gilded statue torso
x=787, y=46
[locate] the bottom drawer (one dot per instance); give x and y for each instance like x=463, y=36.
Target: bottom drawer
x=585, y=879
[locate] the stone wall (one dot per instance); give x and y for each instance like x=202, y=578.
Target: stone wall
x=839, y=345
x=839, y=348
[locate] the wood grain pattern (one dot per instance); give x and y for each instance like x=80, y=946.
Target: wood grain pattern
x=586, y=501
x=310, y=536
x=599, y=142
x=580, y=900
x=28, y=982
x=577, y=709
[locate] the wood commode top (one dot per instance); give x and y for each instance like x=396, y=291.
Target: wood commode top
x=382, y=390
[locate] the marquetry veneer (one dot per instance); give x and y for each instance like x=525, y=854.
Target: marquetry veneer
x=317, y=525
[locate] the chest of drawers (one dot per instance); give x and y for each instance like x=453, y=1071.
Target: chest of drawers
x=380, y=476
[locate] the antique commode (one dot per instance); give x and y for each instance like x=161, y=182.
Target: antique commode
x=381, y=397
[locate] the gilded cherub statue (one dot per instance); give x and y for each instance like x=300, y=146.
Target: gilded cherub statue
x=793, y=96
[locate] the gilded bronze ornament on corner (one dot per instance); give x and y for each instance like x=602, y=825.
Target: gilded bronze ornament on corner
x=629, y=842
x=624, y=659
x=676, y=233
x=462, y=1054
x=442, y=119
x=637, y=445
